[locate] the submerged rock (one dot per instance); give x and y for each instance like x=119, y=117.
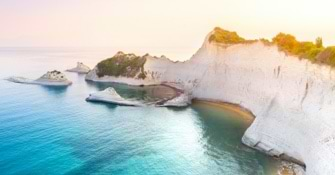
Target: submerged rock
x=51, y=78
x=81, y=68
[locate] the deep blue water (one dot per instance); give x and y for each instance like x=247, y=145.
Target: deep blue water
x=47, y=130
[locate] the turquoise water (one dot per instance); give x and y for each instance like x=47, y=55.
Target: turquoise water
x=55, y=131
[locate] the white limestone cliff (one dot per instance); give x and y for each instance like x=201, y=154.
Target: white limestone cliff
x=51, y=78
x=293, y=100
x=80, y=68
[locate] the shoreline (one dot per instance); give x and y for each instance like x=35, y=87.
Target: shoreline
x=244, y=114
x=234, y=108
x=286, y=166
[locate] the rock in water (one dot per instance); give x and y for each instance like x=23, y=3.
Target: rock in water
x=51, y=78
x=109, y=95
x=81, y=68
x=182, y=100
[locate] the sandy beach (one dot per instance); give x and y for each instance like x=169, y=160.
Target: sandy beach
x=245, y=114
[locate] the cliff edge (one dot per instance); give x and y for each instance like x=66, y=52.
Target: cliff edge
x=293, y=99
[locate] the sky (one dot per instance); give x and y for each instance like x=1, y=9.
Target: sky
x=158, y=26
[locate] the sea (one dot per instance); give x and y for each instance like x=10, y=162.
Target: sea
x=51, y=131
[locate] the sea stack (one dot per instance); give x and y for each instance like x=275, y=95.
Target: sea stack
x=51, y=78
x=109, y=95
x=81, y=68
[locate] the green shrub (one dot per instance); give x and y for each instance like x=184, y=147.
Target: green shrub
x=286, y=42
x=289, y=44
x=319, y=42
x=127, y=65
x=327, y=56
x=314, y=52
x=225, y=36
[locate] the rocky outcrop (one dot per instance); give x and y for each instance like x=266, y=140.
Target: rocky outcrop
x=130, y=69
x=109, y=95
x=182, y=100
x=51, y=78
x=293, y=99
x=81, y=68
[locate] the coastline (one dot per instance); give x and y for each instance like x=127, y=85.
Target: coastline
x=285, y=167
x=286, y=104
x=234, y=108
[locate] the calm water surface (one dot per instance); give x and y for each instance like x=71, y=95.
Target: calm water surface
x=55, y=131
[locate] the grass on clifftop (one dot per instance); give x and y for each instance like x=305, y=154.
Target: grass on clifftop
x=126, y=65
x=313, y=51
x=327, y=56
x=225, y=36
x=289, y=44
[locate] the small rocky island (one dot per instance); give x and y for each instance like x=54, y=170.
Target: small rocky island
x=51, y=78
x=81, y=68
x=109, y=95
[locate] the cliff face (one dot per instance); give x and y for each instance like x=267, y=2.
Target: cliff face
x=293, y=100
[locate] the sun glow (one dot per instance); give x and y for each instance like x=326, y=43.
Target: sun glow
x=158, y=26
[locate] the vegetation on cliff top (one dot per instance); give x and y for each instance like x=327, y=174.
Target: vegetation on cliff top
x=314, y=52
x=126, y=65
x=225, y=36
x=327, y=56
x=289, y=44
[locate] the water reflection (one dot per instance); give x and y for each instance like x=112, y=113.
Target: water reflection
x=147, y=94
x=223, y=131
x=67, y=135
x=58, y=91
x=107, y=105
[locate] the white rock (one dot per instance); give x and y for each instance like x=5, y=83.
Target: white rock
x=109, y=95
x=293, y=100
x=181, y=100
x=81, y=68
x=53, y=78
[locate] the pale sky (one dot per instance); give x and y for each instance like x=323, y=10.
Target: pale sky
x=159, y=26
